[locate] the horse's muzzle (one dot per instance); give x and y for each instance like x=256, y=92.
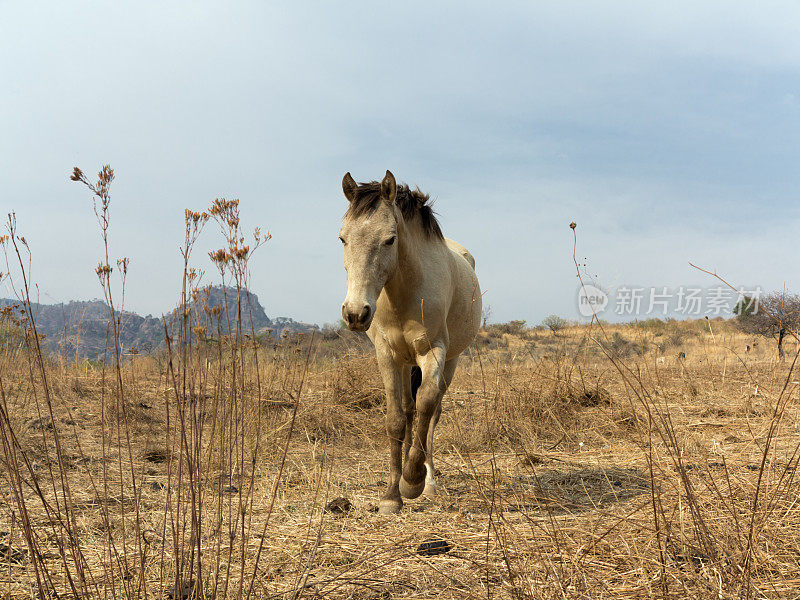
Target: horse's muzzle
x=358, y=319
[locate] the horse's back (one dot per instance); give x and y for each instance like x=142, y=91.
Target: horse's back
x=464, y=315
x=460, y=250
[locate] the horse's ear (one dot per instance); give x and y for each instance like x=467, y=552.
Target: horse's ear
x=388, y=188
x=349, y=187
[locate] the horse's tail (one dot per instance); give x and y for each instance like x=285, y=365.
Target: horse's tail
x=416, y=381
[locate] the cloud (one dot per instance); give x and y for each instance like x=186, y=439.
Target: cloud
x=664, y=130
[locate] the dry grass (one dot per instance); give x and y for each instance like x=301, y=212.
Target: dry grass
x=551, y=477
x=584, y=464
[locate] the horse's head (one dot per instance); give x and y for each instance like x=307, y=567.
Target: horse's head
x=369, y=236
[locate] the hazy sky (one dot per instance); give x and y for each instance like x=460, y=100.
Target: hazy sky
x=668, y=131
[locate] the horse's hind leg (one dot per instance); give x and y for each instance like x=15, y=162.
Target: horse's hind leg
x=412, y=378
x=430, y=482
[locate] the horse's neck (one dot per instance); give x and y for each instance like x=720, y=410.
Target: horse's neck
x=412, y=245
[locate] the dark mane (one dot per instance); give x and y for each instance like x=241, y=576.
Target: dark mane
x=410, y=202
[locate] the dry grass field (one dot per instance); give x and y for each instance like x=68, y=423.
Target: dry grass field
x=592, y=463
x=653, y=459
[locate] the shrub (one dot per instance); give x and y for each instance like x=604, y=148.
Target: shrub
x=554, y=323
x=516, y=327
x=623, y=347
x=332, y=331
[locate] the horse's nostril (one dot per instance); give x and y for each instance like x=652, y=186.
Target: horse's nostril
x=364, y=313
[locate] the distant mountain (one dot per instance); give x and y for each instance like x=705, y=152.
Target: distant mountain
x=219, y=296
x=81, y=328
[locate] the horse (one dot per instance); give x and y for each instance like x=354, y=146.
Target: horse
x=416, y=295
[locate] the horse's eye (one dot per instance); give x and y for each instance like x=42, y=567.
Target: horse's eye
x=391, y=240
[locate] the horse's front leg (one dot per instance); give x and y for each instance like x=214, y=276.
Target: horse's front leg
x=429, y=398
x=430, y=482
x=392, y=502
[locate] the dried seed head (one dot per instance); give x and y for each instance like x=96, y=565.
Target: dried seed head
x=105, y=176
x=220, y=257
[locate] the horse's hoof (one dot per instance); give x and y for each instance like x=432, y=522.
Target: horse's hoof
x=430, y=483
x=389, y=507
x=409, y=490
x=430, y=489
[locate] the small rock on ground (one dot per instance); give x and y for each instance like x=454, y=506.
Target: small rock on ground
x=339, y=506
x=434, y=546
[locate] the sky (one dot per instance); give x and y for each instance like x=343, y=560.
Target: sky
x=669, y=132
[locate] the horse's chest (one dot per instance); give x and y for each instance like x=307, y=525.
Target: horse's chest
x=405, y=345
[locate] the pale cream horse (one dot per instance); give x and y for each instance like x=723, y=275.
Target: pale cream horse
x=416, y=295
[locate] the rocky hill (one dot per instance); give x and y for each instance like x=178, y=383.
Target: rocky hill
x=82, y=328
